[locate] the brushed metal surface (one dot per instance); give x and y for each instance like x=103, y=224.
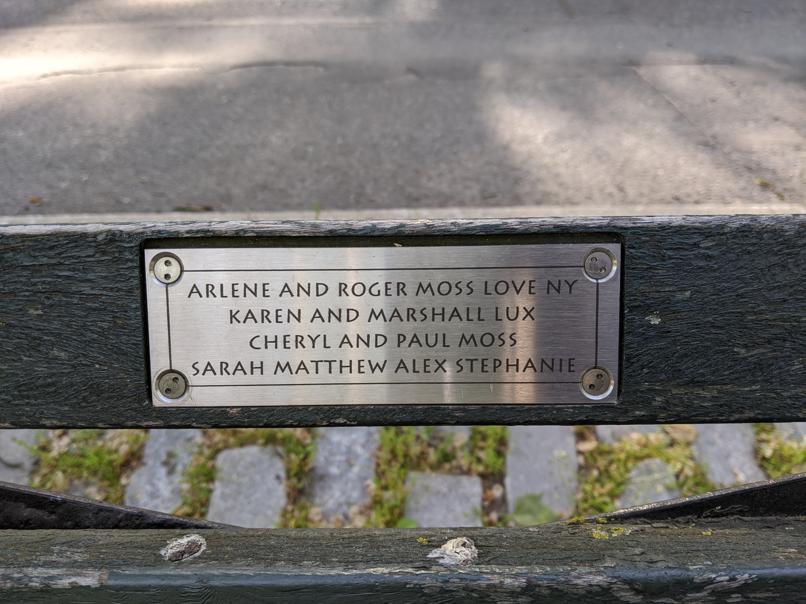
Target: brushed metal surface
x=458, y=325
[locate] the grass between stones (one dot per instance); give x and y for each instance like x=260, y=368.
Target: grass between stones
x=776, y=455
x=405, y=449
x=296, y=445
x=99, y=461
x=604, y=468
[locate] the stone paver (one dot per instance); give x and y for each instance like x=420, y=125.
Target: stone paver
x=612, y=434
x=249, y=488
x=443, y=500
x=792, y=430
x=463, y=431
x=726, y=452
x=343, y=469
x=650, y=481
x=458, y=436
x=88, y=488
x=542, y=461
x=16, y=462
x=157, y=483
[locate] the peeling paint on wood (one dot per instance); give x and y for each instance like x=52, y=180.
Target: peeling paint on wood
x=184, y=548
x=459, y=551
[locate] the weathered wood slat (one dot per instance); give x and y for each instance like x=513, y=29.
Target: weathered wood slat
x=27, y=508
x=702, y=561
x=714, y=325
x=779, y=497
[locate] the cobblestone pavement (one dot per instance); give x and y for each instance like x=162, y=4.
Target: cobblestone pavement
x=453, y=477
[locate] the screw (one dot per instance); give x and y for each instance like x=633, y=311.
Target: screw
x=172, y=384
x=167, y=268
x=596, y=383
x=600, y=265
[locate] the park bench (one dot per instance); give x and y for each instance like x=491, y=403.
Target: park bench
x=674, y=319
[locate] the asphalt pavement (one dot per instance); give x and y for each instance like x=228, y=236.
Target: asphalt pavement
x=416, y=107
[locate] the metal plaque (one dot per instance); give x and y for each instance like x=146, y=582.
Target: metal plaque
x=457, y=325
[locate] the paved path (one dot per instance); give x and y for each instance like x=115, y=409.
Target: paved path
x=580, y=105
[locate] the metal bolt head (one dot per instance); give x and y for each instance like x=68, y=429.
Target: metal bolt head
x=599, y=265
x=596, y=383
x=172, y=384
x=167, y=268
